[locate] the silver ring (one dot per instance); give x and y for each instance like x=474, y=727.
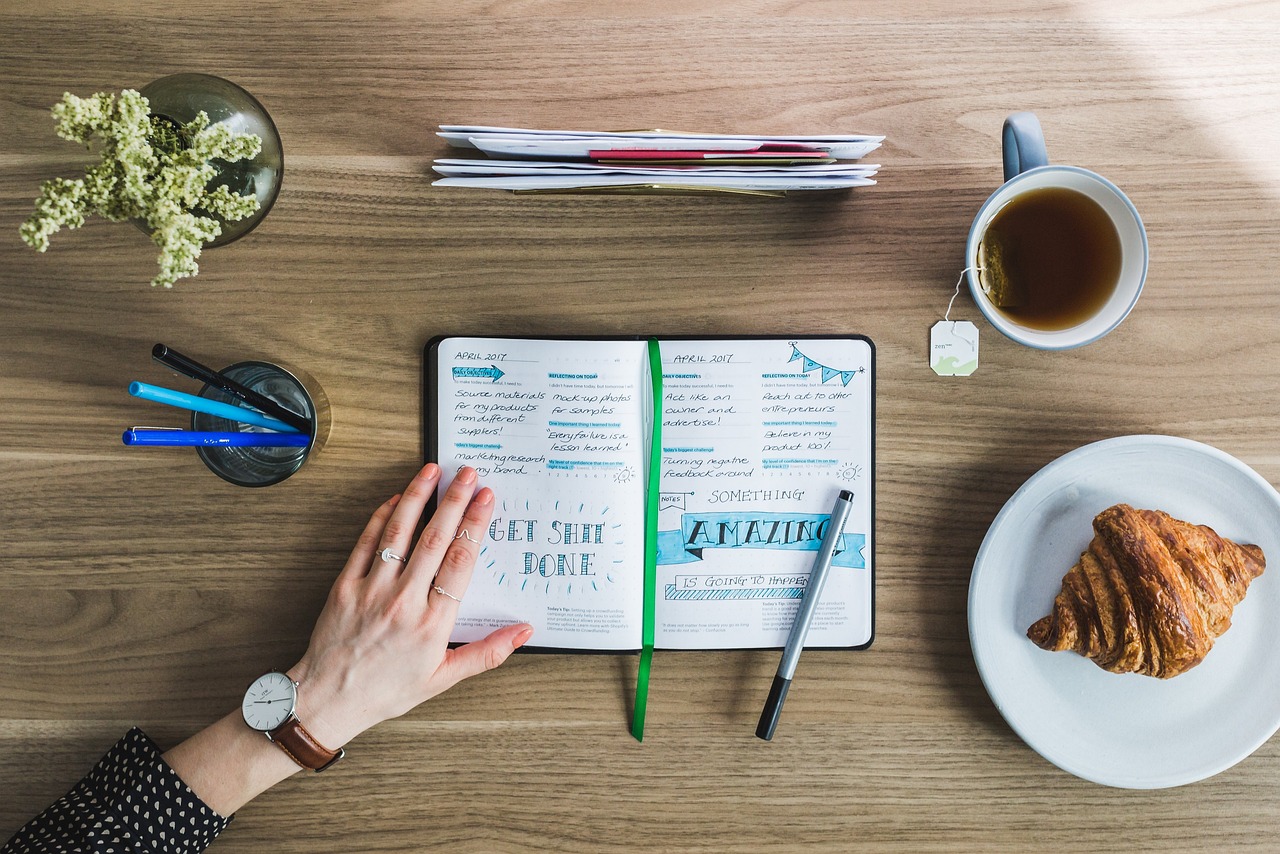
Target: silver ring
x=437, y=588
x=466, y=535
x=388, y=555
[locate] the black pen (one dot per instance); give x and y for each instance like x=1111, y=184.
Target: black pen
x=804, y=616
x=186, y=365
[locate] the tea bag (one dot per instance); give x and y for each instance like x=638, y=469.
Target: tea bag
x=953, y=344
x=1003, y=291
x=953, y=348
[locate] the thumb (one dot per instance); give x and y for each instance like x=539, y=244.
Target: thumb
x=478, y=656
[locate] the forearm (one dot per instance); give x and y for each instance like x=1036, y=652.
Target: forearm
x=228, y=764
x=131, y=800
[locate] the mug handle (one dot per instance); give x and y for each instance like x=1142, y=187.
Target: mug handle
x=1023, y=144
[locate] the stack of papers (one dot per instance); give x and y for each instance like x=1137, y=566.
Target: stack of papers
x=577, y=161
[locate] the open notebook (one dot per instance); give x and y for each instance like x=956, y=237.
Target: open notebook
x=754, y=439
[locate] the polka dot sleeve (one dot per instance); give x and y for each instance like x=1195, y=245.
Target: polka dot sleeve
x=131, y=801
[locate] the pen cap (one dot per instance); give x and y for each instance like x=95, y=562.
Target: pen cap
x=263, y=466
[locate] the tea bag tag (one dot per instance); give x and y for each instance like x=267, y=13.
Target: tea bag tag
x=953, y=348
x=953, y=344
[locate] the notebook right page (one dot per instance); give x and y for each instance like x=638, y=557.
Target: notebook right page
x=758, y=438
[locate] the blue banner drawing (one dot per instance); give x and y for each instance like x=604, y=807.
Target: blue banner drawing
x=748, y=530
x=735, y=593
x=493, y=372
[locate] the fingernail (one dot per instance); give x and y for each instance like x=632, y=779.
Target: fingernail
x=431, y=471
x=522, y=638
x=484, y=497
x=395, y=499
x=466, y=474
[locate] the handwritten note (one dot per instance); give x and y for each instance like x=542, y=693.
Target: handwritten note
x=758, y=437
x=558, y=432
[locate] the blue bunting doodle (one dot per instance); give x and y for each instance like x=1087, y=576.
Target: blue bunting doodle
x=828, y=373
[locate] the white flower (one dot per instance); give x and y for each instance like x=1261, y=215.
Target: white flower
x=150, y=169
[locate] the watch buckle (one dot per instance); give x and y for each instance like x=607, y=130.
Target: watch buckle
x=341, y=753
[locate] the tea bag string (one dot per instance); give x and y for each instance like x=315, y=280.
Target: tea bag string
x=947, y=316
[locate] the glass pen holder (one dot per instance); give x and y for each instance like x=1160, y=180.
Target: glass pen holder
x=264, y=465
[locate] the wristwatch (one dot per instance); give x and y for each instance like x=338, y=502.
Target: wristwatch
x=270, y=707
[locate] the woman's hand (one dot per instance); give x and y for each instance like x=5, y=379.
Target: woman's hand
x=380, y=646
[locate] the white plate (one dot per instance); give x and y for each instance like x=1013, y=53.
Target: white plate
x=1128, y=730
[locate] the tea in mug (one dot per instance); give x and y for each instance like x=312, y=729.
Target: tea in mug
x=1050, y=258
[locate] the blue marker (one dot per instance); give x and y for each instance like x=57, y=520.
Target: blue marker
x=172, y=438
x=195, y=403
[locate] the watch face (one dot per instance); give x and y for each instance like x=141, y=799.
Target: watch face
x=269, y=701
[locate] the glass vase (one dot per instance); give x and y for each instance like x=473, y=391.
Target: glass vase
x=181, y=97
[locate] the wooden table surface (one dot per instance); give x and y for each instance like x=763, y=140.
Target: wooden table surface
x=137, y=588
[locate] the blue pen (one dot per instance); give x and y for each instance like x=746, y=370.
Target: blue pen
x=172, y=438
x=195, y=403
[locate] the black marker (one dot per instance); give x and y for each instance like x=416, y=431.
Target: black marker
x=185, y=365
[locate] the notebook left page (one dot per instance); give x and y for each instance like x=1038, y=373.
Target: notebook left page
x=557, y=430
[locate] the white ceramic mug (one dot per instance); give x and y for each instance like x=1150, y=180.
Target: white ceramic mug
x=1027, y=168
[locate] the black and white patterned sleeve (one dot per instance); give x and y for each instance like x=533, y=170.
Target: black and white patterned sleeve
x=131, y=801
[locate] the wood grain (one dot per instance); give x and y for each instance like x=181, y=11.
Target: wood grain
x=136, y=588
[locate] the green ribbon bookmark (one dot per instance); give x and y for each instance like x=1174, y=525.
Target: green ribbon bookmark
x=650, y=547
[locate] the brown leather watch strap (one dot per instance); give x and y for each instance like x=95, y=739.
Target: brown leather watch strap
x=292, y=737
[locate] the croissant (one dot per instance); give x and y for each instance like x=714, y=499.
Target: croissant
x=1150, y=595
